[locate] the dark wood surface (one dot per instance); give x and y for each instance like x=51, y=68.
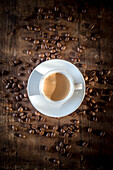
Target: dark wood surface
x=92, y=145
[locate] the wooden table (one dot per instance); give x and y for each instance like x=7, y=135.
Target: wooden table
x=90, y=47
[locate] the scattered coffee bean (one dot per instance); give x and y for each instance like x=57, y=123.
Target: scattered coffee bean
x=11, y=63
x=53, y=134
x=48, y=135
x=41, y=133
x=57, y=148
x=69, y=155
x=13, y=127
x=31, y=131
x=20, y=86
x=63, y=48
x=89, y=130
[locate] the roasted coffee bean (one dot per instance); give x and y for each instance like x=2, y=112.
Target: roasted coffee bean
x=69, y=155
x=13, y=127
x=69, y=18
x=11, y=63
x=56, y=8
x=93, y=101
x=62, y=130
x=37, y=113
x=17, y=98
x=87, y=99
x=63, y=48
x=68, y=146
x=28, y=120
x=16, y=62
x=63, y=150
x=89, y=130
x=84, y=144
x=37, y=29
x=22, y=136
x=65, y=128
x=73, y=135
x=20, y=120
x=4, y=81
x=55, y=128
x=66, y=134
x=34, y=126
x=29, y=71
x=32, y=117
x=41, y=55
x=92, y=113
x=76, y=121
x=46, y=127
x=48, y=135
x=62, y=42
x=41, y=133
x=29, y=52
x=74, y=38
x=67, y=39
x=102, y=133
x=26, y=64
x=37, y=62
x=20, y=86
x=86, y=78
x=37, y=131
x=91, y=26
x=52, y=51
x=66, y=141
x=20, y=109
x=47, y=54
x=32, y=60
x=5, y=72
x=29, y=27
x=57, y=148
x=17, y=105
x=43, y=46
x=21, y=114
x=53, y=134
x=23, y=117
x=61, y=144
x=27, y=39
x=29, y=114
x=25, y=95
x=59, y=44
x=42, y=119
x=31, y=131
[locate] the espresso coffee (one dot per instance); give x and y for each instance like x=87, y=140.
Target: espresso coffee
x=56, y=86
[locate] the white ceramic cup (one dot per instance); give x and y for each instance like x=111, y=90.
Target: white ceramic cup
x=73, y=86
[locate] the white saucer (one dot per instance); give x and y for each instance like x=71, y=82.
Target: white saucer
x=44, y=106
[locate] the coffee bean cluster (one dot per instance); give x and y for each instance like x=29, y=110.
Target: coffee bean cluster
x=52, y=43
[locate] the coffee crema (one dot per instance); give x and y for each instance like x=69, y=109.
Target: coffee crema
x=56, y=86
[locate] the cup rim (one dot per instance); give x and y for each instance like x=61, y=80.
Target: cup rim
x=71, y=81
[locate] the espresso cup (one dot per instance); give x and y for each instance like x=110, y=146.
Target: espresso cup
x=72, y=86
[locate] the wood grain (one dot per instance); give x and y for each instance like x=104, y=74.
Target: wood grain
x=90, y=150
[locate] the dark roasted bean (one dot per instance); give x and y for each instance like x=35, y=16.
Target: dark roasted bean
x=41, y=132
x=63, y=48
x=13, y=127
x=61, y=144
x=48, y=135
x=20, y=86
x=29, y=27
x=29, y=114
x=89, y=130
x=66, y=134
x=66, y=141
x=69, y=18
x=46, y=127
x=59, y=44
x=16, y=62
x=31, y=131
x=69, y=155
x=68, y=146
x=55, y=127
x=53, y=134
x=20, y=109
x=57, y=148
x=11, y=63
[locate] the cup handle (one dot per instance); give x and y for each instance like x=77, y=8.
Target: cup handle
x=77, y=86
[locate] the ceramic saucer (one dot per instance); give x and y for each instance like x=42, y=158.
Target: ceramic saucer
x=41, y=104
